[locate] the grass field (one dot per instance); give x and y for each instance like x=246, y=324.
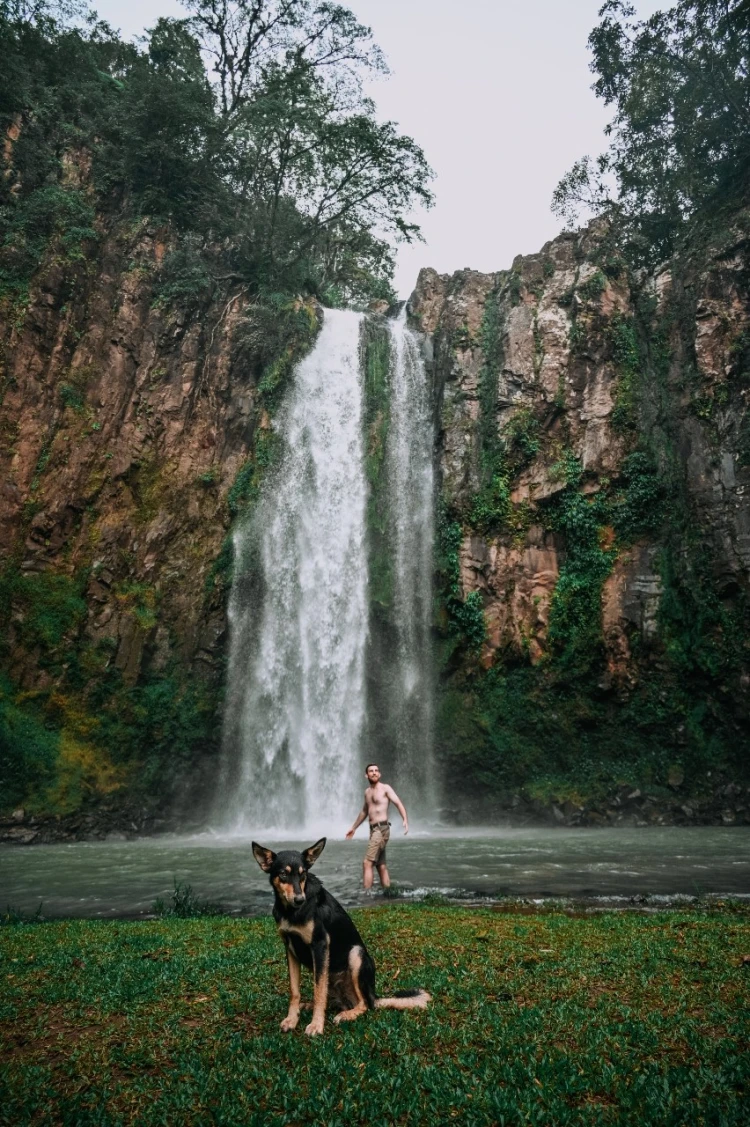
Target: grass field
x=541, y=1019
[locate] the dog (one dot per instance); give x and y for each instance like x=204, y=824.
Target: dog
x=320, y=935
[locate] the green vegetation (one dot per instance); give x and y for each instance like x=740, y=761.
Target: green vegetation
x=91, y=732
x=555, y=729
x=679, y=84
x=593, y=288
x=377, y=359
x=51, y=216
x=185, y=905
x=462, y=619
x=276, y=174
x=575, y=618
x=184, y=279
x=627, y=359
x=29, y=750
x=535, y=1019
x=46, y=609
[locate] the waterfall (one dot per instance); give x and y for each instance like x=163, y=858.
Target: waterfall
x=411, y=504
x=306, y=666
x=296, y=703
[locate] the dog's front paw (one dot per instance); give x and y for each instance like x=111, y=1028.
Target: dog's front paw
x=314, y=1028
x=289, y=1023
x=349, y=1015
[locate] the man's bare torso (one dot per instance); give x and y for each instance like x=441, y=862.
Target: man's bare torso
x=377, y=799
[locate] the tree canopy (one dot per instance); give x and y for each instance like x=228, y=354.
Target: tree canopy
x=275, y=154
x=679, y=84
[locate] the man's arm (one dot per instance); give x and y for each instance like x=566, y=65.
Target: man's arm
x=359, y=819
x=399, y=806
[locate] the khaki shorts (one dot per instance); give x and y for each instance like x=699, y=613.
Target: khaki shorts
x=378, y=840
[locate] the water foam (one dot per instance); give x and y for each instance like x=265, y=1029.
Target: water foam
x=298, y=619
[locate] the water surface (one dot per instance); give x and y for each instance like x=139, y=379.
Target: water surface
x=109, y=879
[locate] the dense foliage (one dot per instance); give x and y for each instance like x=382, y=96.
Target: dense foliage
x=679, y=83
x=276, y=162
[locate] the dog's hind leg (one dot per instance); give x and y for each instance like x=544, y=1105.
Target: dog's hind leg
x=290, y=1021
x=321, y=962
x=360, y=1005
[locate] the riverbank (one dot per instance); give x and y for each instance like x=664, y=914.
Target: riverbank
x=726, y=803
x=536, y=1018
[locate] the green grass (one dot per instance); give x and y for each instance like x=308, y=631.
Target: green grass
x=545, y=1019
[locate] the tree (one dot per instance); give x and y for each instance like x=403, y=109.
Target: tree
x=679, y=83
x=279, y=168
x=160, y=136
x=318, y=180
x=318, y=183
x=248, y=38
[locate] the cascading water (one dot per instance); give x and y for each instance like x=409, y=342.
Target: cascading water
x=296, y=700
x=411, y=505
x=301, y=674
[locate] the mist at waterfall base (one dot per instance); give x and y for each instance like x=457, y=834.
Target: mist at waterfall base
x=299, y=671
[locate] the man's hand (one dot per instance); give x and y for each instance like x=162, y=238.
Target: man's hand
x=406, y=827
x=350, y=833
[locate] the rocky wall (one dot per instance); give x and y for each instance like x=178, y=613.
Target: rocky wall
x=129, y=441
x=594, y=468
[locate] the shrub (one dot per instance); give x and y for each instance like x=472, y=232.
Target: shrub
x=29, y=749
x=184, y=904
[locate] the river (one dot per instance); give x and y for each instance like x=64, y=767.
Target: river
x=612, y=867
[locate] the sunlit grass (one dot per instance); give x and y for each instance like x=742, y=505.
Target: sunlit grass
x=542, y=1019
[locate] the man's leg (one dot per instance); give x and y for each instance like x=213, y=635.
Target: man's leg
x=367, y=873
x=385, y=879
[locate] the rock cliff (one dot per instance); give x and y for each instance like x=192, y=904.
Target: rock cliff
x=133, y=427
x=594, y=452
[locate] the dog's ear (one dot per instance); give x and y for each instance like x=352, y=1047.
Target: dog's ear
x=311, y=855
x=264, y=857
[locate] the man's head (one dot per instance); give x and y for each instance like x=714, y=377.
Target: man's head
x=373, y=772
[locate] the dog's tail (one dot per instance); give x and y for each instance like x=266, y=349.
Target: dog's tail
x=404, y=1000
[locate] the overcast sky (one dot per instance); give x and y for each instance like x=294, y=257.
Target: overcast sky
x=498, y=94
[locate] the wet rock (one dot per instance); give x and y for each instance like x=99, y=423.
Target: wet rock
x=676, y=777
x=18, y=835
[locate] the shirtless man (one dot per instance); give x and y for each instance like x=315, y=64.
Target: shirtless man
x=377, y=797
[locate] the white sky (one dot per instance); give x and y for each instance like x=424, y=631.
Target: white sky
x=497, y=93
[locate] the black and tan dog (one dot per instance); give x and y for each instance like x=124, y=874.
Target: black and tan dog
x=319, y=934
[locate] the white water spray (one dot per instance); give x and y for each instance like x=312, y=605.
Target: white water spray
x=296, y=693
x=411, y=494
x=300, y=670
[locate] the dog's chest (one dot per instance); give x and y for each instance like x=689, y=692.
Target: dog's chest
x=300, y=936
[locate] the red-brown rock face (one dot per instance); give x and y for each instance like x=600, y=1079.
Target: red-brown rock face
x=123, y=427
x=549, y=338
